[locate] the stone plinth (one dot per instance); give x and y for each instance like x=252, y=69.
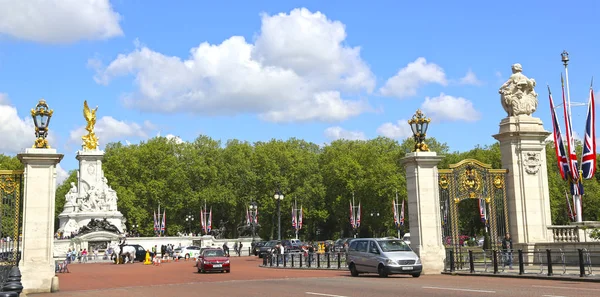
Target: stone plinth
x=523, y=148
x=37, y=262
x=90, y=169
x=423, y=207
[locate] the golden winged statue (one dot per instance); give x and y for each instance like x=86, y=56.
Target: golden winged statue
x=90, y=141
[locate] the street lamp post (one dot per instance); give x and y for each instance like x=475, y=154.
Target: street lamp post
x=134, y=230
x=374, y=214
x=189, y=219
x=419, y=124
x=278, y=197
x=253, y=208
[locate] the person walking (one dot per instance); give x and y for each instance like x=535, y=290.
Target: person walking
x=240, y=249
x=226, y=249
x=235, y=248
x=507, y=250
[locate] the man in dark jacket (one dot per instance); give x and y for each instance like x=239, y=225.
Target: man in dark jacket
x=507, y=249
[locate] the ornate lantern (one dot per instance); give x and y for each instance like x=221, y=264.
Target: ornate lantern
x=419, y=124
x=41, y=118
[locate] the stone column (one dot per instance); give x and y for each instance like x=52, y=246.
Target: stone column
x=424, y=209
x=37, y=261
x=523, y=148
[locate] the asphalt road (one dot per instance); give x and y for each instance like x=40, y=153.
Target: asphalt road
x=178, y=279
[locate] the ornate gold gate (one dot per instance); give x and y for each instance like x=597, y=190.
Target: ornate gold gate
x=472, y=179
x=11, y=189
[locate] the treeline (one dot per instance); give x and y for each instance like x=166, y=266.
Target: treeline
x=182, y=177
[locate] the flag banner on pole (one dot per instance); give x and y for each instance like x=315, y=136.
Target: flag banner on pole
x=570, y=212
x=247, y=216
x=203, y=219
x=352, y=222
x=300, y=218
x=294, y=218
x=395, y=212
x=358, y=216
x=155, y=222
x=209, y=228
x=559, y=144
x=571, y=155
x=402, y=214
x=483, y=211
x=164, y=221
x=256, y=215
x=588, y=159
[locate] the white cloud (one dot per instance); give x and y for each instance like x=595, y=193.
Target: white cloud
x=16, y=133
x=172, y=137
x=449, y=108
x=110, y=129
x=400, y=130
x=59, y=21
x=470, y=79
x=61, y=175
x=335, y=133
x=298, y=69
x=410, y=78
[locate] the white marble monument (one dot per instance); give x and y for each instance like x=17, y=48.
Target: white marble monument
x=91, y=198
x=523, y=148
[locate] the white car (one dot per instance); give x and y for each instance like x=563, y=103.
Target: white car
x=189, y=252
x=406, y=238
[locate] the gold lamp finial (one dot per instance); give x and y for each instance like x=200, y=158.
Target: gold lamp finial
x=419, y=124
x=41, y=115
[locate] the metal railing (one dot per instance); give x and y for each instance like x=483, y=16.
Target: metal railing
x=309, y=260
x=580, y=262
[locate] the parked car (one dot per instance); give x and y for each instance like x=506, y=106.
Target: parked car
x=140, y=252
x=266, y=249
x=292, y=245
x=382, y=256
x=190, y=252
x=257, y=246
x=338, y=246
x=213, y=260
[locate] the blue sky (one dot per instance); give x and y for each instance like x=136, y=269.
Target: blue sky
x=256, y=70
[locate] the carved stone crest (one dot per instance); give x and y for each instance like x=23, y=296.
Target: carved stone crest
x=532, y=162
x=98, y=225
x=517, y=94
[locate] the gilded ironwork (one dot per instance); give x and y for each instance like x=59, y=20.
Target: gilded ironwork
x=90, y=140
x=41, y=115
x=11, y=188
x=419, y=124
x=472, y=179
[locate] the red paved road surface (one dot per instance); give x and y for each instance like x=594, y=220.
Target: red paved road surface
x=247, y=279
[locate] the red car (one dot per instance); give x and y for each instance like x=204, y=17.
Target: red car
x=213, y=260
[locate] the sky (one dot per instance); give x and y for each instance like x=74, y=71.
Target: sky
x=258, y=70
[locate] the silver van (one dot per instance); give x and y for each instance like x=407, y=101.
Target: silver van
x=382, y=256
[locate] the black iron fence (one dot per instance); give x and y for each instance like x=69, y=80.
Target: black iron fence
x=308, y=260
x=580, y=262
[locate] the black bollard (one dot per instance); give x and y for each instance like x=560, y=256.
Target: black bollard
x=292, y=255
x=521, y=264
x=495, y=260
x=301, y=256
x=13, y=283
x=581, y=263
x=471, y=262
x=328, y=260
x=318, y=260
x=278, y=255
x=285, y=260
x=265, y=261
x=271, y=260
x=549, y=259
x=451, y=256
x=309, y=259
x=339, y=260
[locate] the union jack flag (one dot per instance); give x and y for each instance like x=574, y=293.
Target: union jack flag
x=483, y=211
x=559, y=145
x=294, y=218
x=588, y=159
x=402, y=214
x=571, y=156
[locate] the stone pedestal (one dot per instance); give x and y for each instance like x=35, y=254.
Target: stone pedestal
x=423, y=207
x=90, y=169
x=37, y=262
x=523, y=148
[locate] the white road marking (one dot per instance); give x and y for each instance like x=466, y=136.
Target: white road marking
x=321, y=294
x=459, y=289
x=566, y=288
x=552, y=296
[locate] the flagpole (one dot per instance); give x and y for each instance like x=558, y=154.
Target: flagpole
x=353, y=216
x=397, y=210
x=296, y=216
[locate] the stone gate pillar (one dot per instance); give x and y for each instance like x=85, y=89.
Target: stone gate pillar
x=523, y=148
x=424, y=210
x=37, y=261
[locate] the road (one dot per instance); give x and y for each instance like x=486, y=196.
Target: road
x=180, y=279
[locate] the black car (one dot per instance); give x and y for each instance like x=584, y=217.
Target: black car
x=266, y=249
x=140, y=252
x=256, y=247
